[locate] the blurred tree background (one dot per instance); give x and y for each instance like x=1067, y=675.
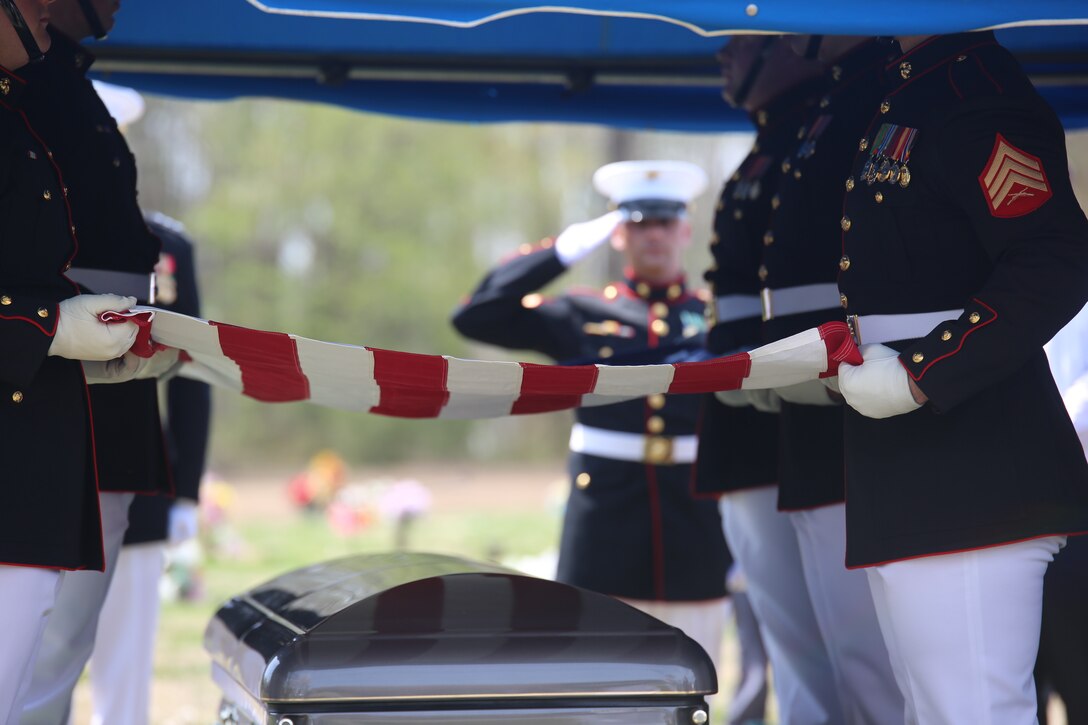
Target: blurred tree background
x=365, y=229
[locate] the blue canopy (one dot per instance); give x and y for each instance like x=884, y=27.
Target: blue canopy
x=626, y=63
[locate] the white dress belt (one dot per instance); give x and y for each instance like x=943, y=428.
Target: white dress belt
x=736, y=307
x=869, y=329
x=632, y=446
x=795, y=300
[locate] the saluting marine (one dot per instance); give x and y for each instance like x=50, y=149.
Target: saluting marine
x=632, y=527
x=738, y=444
x=798, y=270
x=963, y=251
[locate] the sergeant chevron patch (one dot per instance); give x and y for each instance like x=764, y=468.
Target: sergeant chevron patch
x=1013, y=181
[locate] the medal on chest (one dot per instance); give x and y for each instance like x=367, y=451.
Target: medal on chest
x=748, y=185
x=889, y=156
x=808, y=145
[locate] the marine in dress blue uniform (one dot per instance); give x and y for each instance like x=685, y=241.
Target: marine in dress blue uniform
x=738, y=443
x=115, y=243
x=49, y=518
x=798, y=271
x=632, y=527
x=964, y=251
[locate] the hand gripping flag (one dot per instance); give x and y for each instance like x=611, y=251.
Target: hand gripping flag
x=276, y=368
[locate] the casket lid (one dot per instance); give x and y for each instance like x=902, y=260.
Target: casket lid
x=403, y=627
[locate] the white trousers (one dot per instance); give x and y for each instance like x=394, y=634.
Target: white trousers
x=69, y=633
x=703, y=621
x=26, y=599
x=963, y=631
x=124, y=648
x=764, y=543
x=749, y=701
x=844, y=610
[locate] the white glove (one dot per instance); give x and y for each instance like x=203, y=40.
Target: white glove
x=733, y=398
x=81, y=335
x=879, y=387
x=765, y=400
x=184, y=521
x=131, y=367
x=578, y=240
x=810, y=392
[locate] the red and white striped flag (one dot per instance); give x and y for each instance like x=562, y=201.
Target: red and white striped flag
x=276, y=367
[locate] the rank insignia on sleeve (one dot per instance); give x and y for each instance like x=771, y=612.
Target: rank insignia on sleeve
x=1013, y=181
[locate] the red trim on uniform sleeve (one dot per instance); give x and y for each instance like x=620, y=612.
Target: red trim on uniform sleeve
x=34, y=322
x=269, y=362
x=412, y=385
x=545, y=388
x=973, y=328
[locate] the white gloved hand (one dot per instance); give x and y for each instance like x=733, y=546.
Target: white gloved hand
x=733, y=398
x=81, y=335
x=578, y=240
x=879, y=387
x=764, y=400
x=810, y=392
x=184, y=521
x=131, y=367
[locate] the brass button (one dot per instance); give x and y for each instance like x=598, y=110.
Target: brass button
x=801, y=133
x=974, y=317
x=797, y=173
x=850, y=184
x=885, y=106
x=660, y=309
x=610, y=292
x=844, y=263
x=863, y=144
x=42, y=312
x=917, y=357
x=656, y=401
x=735, y=176
x=5, y=86
x=845, y=223
x=763, y=272
x=605, y=351
x=73, y=229
x=825, y=102
x=751, y=10
x=768, y=238
x=843, y=301
x=761, y=116
x=720, y=206
x=582, y=480
x=738, y=214
x=674, y=291
x=905, y=69
x=714, y=239
x=879, y=196
x=946, y=335
x=713, y=266
x=47, y=195
x=660, y=328
x=836, y=72
x=655, y=424
x=17, y=396
x=532, y=301
x=786, y=166
x=67, y=266
x=31, y=154
x=643, y=289
x=5, y=300
x=961, y=58
x=776, y=201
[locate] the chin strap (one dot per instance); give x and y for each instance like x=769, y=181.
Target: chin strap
x=33, y=52
x=741, y=94
x=95, y=22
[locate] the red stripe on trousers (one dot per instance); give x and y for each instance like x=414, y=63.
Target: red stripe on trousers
x=269, y=363
x=545, y=388
x=412, y=385
x=724, y=373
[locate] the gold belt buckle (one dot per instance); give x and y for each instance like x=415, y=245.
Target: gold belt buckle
x=855, y=328
x=657, y=450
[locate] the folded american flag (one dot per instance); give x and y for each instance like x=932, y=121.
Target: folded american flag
x=276, y=367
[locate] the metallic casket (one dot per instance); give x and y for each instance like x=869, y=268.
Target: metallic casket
x=407, y=639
